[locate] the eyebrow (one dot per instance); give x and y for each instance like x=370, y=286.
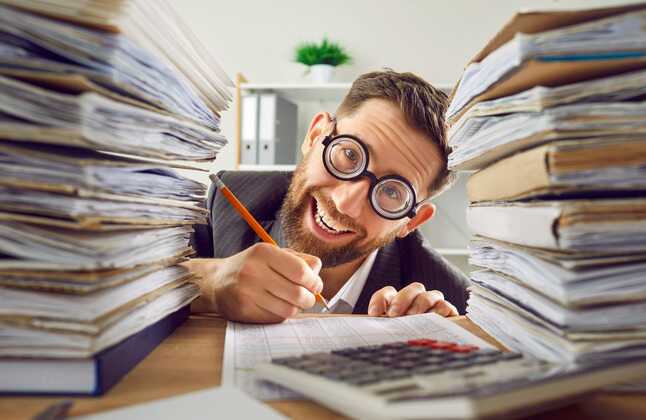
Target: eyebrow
x=371, y=152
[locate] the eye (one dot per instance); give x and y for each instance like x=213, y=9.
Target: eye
x=392, y=193
x=351, y=155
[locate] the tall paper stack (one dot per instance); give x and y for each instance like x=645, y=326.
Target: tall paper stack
x=96, y=99
x=552, y=117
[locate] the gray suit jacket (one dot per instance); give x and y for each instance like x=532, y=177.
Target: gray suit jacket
x=398, y=264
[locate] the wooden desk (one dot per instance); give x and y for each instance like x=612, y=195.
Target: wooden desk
x=191, y=359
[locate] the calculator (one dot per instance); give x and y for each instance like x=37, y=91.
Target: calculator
x=426, y=378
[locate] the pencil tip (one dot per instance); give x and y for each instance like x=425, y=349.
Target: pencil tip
x=323, y=301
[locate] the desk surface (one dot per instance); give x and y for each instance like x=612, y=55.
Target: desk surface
x=191, y=359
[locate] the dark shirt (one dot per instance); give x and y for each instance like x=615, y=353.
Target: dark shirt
x=403, y=261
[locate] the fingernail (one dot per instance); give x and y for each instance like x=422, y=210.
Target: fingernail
x=319, y=286
x=371, y=309
x=393, y=311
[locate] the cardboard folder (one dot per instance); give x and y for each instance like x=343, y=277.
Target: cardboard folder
x=548, y=73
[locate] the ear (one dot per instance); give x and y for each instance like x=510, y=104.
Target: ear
x=424, y=213
x=317, y=129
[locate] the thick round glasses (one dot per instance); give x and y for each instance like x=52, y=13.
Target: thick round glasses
x=346, y=158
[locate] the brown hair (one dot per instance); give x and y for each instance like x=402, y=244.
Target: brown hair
x=422, y=104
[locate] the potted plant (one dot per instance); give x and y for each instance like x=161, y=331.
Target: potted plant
x=321, y=59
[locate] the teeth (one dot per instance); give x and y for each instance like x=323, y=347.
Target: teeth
x=322, y=219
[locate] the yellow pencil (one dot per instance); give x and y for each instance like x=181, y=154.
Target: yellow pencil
x=253, y=223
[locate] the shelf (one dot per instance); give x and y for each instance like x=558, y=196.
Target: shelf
x=302, y=92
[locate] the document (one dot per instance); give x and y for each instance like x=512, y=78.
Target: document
x=96, y=122
x=247, y=345
x=481, y=141
x=212, y=403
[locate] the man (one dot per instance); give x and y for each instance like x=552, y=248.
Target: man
x=347, y=220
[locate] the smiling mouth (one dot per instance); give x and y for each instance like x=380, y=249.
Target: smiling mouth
x=326, y=222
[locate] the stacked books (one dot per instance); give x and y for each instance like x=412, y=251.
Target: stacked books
x=96, y=100
x=552, y=116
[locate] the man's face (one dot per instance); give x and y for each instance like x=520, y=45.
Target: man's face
x=333, y=219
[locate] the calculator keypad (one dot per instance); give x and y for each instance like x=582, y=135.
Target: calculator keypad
x=414, y=369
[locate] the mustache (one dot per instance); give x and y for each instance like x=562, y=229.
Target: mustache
x=330, y=208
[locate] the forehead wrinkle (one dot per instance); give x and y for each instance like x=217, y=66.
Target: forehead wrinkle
x=383, y=126
x=409, y=154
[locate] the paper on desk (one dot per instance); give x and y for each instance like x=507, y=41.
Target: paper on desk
x=213, y=403
x=247, y=345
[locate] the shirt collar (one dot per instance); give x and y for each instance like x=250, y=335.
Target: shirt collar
x=349, y=293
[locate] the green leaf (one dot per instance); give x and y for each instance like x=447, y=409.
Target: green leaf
x=327, y=52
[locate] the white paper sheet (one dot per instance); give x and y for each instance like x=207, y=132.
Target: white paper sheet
x=247, y=345
x=212, y=403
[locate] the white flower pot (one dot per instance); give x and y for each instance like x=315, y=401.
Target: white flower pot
x=321, y=73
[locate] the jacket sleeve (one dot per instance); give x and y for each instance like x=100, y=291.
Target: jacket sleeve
x=421, y=263
x=202, y=239
x=227, y=233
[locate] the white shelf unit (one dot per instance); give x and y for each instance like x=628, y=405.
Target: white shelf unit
x=301, y=92
x=297, y=92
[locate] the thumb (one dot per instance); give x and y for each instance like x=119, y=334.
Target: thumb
x=380, y=301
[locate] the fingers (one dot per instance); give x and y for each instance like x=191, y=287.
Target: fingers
x=411, y=300
x=261, y=316
x=291, y=293
x=254, y=280
x=403, y=300
x=275, y=306
x=425, y=301
x=380, y=301
x=292, y=267
x=444, y=308
x=314, y=262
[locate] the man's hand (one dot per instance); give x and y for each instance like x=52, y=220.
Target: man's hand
x=262, y=284
x=412, y=299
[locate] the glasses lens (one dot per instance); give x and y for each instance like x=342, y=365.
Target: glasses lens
x=393, y=197
x=346, y=157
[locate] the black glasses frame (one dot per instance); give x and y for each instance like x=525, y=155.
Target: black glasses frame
x=374, y=181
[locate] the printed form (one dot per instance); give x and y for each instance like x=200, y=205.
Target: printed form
x=247, y=345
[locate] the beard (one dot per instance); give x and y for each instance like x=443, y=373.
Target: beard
x=294, y=210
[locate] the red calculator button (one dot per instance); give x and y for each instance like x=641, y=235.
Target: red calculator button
x=422, y=342
x=443, y=345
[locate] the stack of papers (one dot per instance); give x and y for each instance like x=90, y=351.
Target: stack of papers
x=584, y=225
x=38, y=47
x=93, y=121
x=96, y=100
x=41, y=324
x=47, y=248
x=557, y=201
x=69, y=170
x=611, y=166
x=504, y=104
x=153, y=26
x=602, y=44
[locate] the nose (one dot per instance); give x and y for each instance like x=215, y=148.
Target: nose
x=350, y=196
